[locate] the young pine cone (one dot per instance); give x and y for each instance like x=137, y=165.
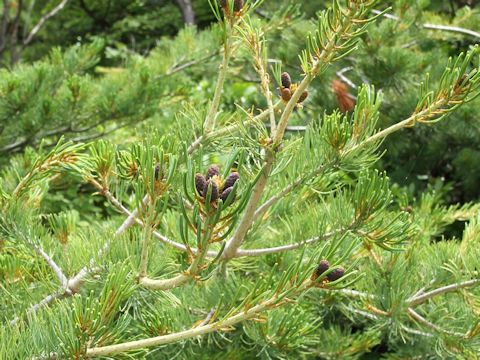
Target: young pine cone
x=212, y=171
x=200, y=184
x=286, y=80
x=286, y=94
x=158, y=173
x=237, y=5
x=225, y=194
x=323, y=266
x=231, y=180
x=214, y=195
x=303, y=96
x=336, y=274
x=223, y=3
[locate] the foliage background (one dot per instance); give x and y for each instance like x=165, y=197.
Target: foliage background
x=121, y=70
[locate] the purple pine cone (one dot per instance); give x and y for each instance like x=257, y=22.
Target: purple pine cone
x=231, y=180
x=323, y=266
x=336, y=274
x=212, y=171
x=214, y=195
x=225, y=194
x=200, y=184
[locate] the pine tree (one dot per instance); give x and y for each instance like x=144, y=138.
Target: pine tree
x=237, y=238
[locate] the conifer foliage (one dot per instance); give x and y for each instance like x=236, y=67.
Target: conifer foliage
x=234, y=238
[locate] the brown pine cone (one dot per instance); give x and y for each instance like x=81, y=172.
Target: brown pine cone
x=303, y=96
x=237, y=5
x=286, y=80
x=286, y=94
x=158, y=174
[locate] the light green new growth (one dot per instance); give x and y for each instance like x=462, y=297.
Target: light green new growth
x=191, y=268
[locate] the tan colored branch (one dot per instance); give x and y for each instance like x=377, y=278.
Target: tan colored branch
x=429, y=26
x=420, y=299
x=193, y=332
x=414, y=315
x=56, y=269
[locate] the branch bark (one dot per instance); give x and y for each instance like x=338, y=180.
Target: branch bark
x=56, y=269
x=420, y=299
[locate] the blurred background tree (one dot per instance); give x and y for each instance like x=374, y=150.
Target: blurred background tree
x=392, y=57
x=124, y=69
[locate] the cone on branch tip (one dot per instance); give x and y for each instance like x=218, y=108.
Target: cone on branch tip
x=225, y=194
x=303, y=96
x=212, y=180
x=286, y=94
x=200, y=183
x=322, y=267
x=212, y=171
x=336, y=274
x=214, y=195
x=237, y=5
x=231, y=180
x=286, y=80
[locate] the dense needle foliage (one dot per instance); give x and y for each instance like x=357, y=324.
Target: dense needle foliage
x=278, y=185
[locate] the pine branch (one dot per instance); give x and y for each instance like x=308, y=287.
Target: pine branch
x=147, y=236
x=256, y=45
x=340, y=25
x=340, y=73
x=287, y=190
x=42, y=21
x=195, y=331
x=420, y=299
x=190, y=273
x=56, y=269
x=227, y=52
x=180, y=67
x=429, y=26
x=279, y=249
x=431, y=325
x=46, y=301
x=231, y=129
x=74, y=284
x=245, y=223
x=138, y=221
x=399, y=126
